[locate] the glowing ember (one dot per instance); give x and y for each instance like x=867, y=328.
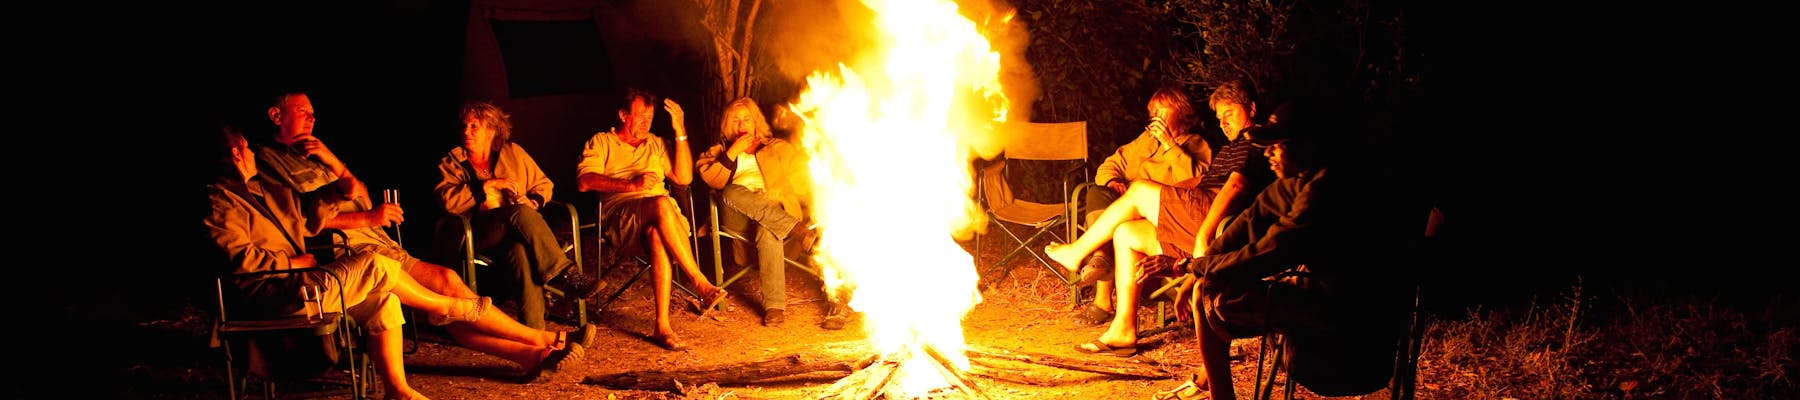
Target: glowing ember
x=892, y=139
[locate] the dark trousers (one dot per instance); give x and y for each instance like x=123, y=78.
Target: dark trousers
x=521, y=243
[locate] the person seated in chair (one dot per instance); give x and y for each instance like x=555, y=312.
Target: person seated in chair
x=626, y=167
x=1167, y=152
x=1346, y=227
x=1152, y=218
x=298, y=160
x=763, y=183
x=498, y=186
x=257, y=224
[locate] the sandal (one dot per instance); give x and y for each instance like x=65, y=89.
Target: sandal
x=712, y=300
x=1098, y=347
x=1189, y=389
x=1092, y=315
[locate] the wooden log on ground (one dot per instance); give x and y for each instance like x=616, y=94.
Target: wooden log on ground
x=864, y=384
x=730, y=374
x=1122, y=369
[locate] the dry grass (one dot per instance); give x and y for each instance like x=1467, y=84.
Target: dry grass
x=1659, y=348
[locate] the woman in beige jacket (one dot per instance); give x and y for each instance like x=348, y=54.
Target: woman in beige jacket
x=762, y=182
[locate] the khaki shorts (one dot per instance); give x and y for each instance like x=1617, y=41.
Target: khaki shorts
x=626, y=221
x=1180, y=212
x=366, y=290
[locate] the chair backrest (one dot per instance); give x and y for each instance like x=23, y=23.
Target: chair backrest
x=1049, y=141
x=1033, y=178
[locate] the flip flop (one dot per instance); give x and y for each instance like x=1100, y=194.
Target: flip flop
x=1098, y=347
x=1093, y=316
x=709, y=304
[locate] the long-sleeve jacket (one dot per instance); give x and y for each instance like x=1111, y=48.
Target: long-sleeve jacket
x=784, y=170
x=254, y=242
x=460, y=189
x=1351, y=242
x=1144, y=158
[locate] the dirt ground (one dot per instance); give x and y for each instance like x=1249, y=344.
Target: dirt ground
x=1027, y=311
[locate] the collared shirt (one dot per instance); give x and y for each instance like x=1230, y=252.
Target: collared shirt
x=289, y=166
x=606, y=154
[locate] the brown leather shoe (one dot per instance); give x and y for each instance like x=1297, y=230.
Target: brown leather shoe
x=774, y=317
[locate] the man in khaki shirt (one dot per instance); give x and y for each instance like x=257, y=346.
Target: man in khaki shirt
x=626, y=167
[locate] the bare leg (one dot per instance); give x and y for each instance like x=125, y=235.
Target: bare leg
x=387, y=346
x=497, y=324
x=1103, y=297
x=440, y=279
x=661, y=273
x=1140, y=202
x=503, y=336
x=525, y=355
x=1132, y=242
x=674, y=230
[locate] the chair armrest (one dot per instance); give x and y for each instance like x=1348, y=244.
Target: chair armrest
x=219, y=284
x=466, y=230
x=1074, y=203
x=328, y=244
x=575, y=227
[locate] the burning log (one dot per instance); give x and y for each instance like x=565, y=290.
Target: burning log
x=865, y=383
x=865, y=377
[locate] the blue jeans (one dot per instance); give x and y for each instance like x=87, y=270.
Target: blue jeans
x=745, y=211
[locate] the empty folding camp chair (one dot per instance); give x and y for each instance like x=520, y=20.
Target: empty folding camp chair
x=1026, y=192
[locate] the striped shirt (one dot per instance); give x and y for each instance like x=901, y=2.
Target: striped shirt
x=1241, y=157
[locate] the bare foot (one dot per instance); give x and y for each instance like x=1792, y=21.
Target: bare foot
x=405, y=394
x=667, y=341
x=1063, y=254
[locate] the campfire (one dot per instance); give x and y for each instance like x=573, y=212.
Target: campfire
x=892, y=139
x=893, y=134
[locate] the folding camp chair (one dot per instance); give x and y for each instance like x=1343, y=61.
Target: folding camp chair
x=719, y=234
x=244, y=337
x=1026, y=192
x=611, y=254
x=471, y=262
x=1276, y=351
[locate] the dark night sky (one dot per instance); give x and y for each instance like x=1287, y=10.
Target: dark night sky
x=1540, y=190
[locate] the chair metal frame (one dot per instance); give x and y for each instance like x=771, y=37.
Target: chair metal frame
x=472, y=260
x=242, y=330
x=1402, y=384
x=684, y=197
x=1071, y=179
x=718, y=232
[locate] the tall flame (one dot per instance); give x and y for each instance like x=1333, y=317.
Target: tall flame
x=892, y=144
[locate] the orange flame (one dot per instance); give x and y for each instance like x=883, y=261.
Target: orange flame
x=892, y=144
